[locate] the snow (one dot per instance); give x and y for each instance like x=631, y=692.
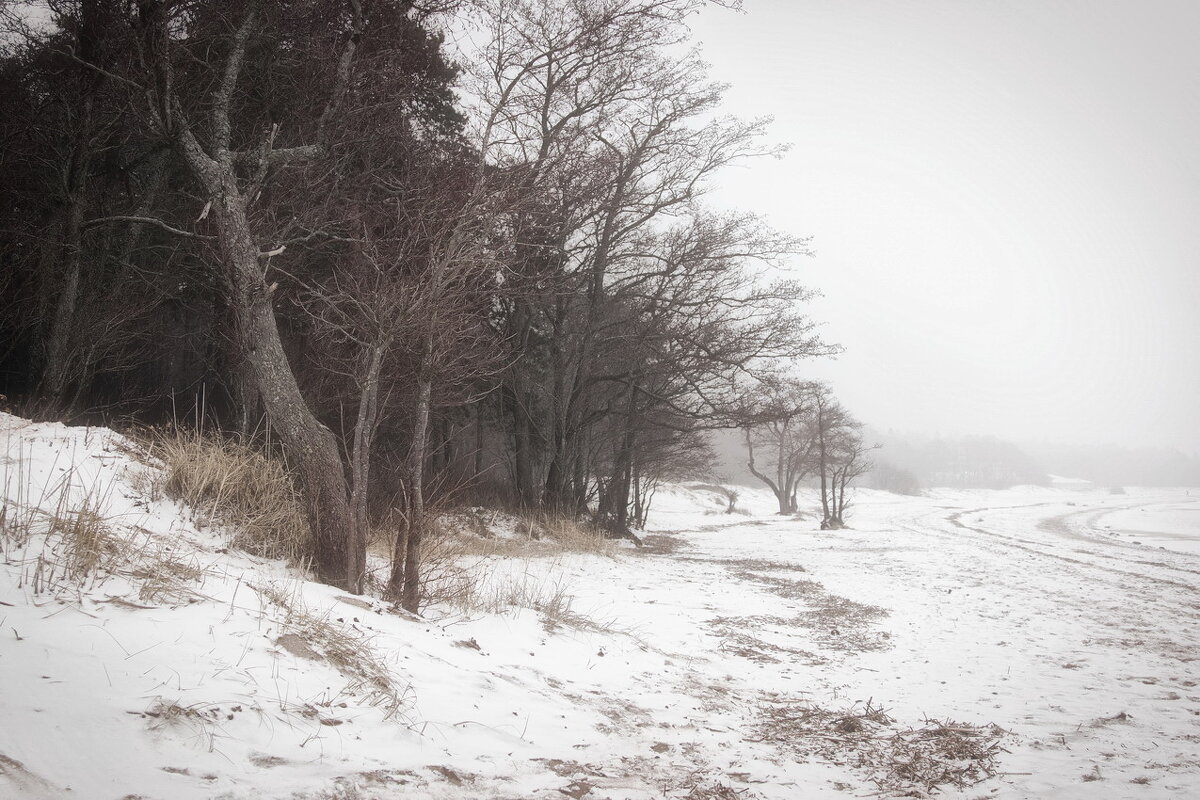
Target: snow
x=1155, y=518
x=1068, y=618
x=1061, y=482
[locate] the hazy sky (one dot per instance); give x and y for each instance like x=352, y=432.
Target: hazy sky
x=1005, y=200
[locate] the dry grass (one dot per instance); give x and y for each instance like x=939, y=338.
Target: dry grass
x=736, y=640
x=494, y=533
x=548, y=597
x=569, y=534
x=909, y=762
x=237, y=486
x=82, y=551
x=716, y=791
x=487, y=585
x=65, y=542
x=451, y=568
x=79, y=543
x=199, y=719
x=480, y=560
x=167, y=572
x=347, y=650
x=523, y=591
x=836, y=623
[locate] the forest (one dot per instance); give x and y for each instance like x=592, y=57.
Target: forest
x=423, y=252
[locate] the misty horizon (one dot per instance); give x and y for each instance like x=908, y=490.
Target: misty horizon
x=1002, y=204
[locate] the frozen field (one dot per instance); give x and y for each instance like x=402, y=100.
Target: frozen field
x=1029, y=643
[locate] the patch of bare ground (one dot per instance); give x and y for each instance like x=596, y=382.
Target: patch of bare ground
x=698, y=783
x=834, y=622
x=737, y=637
x=762, y=565
x=909, y=762
x=661, y=544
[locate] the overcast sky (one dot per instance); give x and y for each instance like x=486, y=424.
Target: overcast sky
x=1004, y=199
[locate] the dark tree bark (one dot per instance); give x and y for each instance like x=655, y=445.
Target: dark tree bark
x=311, y=447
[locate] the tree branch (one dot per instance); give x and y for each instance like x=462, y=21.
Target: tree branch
x=229, y=78
x=93, y=223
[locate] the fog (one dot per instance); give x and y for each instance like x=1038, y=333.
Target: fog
x=1003, y=200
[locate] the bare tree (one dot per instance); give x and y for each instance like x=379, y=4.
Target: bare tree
x=841, y=455
x=615, y=142
x=781, y=423
x=233, y=154
x=849, y=462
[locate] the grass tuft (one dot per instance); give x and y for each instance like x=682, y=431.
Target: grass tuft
x=349, y=651
x=235, y=485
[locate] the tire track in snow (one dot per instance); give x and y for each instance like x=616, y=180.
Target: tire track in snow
x=1158, y=612
x=1054, y=525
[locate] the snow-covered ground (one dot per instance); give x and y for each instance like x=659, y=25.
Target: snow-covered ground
x=736, y=655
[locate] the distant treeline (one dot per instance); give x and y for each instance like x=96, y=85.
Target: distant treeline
x=988, y=463
x=908, y=464
x=1110, y=465
x=969, y=462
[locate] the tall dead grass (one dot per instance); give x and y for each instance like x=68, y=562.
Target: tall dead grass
x=237, y=486
x=64, y=540
x=463, y=548
x=479, y=560
x=496, y=533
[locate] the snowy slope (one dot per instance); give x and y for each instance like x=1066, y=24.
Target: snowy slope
x=733, y=656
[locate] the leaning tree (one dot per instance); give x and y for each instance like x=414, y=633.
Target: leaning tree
x=245, y=92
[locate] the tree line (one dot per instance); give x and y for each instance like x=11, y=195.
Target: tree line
x=423, y=265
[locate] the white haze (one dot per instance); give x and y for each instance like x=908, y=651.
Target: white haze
x=1004, y=200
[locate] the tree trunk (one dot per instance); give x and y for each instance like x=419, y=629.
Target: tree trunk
x=57, y=375
x=824, y=470
x=478, y=440
x=579, y=479
x=360, y=465
x=780, y=495
x=311, y=448
x=522, y=449
x=406, y=566
x=94, y=19
x=554, y=494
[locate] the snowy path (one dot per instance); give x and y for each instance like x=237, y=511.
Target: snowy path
x=1084, y=646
